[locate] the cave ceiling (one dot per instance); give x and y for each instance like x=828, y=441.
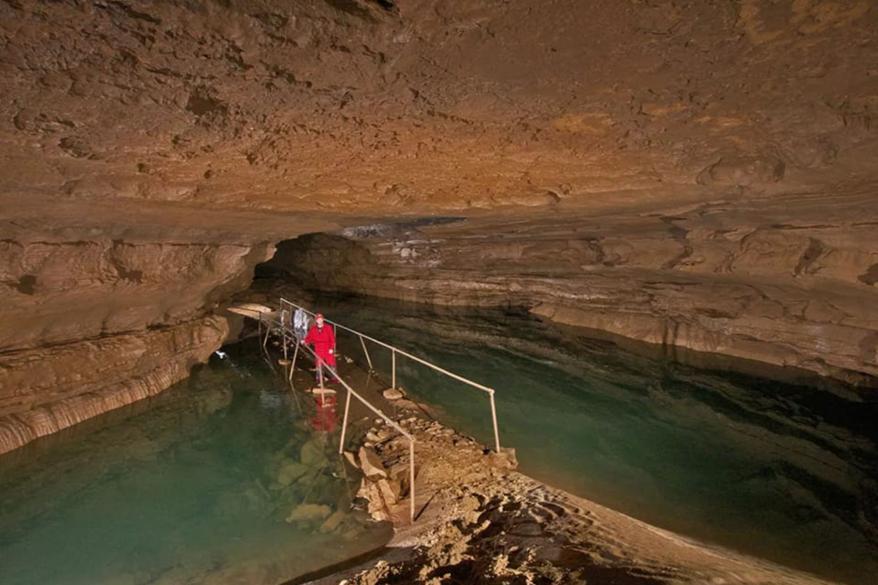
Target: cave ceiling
x=423, y=106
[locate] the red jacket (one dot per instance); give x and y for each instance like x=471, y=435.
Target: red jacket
x=323, y=340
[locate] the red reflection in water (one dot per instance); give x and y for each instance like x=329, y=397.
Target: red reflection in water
x=326, y=417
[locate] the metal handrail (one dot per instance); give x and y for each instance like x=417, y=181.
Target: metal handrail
x=395, y=350
x=288, y=334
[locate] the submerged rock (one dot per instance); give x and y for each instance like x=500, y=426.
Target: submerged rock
x=333, y=522
x=290, y=471
x=309, y=513
x=312, y=453
x=393, y=394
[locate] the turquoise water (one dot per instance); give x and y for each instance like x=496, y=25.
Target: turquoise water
x=192, y=486
x=785, y=471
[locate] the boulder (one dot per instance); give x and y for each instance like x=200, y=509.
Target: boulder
x=309, y=513
x=505, y=459
x=393, y=394
x=289, y=472
x=352, y=459
x=377, y=508
x=333, y=522
x=391, y=490
x=371, y=464
x=406, y=404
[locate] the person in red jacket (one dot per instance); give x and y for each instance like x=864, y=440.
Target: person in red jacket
x=322, y=338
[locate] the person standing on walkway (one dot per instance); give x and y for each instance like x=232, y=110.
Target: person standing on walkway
x=322, y=338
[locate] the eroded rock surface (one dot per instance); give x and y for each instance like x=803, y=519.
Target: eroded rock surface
x=94, y=324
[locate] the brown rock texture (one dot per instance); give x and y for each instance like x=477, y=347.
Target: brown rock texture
x=94, y=324
x=416, y=104
x=783, y=281
x=48, y=389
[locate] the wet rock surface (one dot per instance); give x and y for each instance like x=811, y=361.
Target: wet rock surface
x=45, y=390
x=106, y=305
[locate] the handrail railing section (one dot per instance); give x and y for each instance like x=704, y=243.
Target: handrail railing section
x=394, y=351
x=289, y=336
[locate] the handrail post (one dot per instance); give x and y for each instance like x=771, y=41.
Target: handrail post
x=366, y=351
x=293, y=363
x=412, y=480
x=494, y=417
x=393, y=368
x=344, y=424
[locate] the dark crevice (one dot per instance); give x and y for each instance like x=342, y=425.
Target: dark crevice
x=27, y=284
x=814, y=250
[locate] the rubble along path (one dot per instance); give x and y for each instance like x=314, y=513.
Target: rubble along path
x=480, y=521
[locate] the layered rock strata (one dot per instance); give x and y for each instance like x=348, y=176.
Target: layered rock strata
x=91, y=325
x=401, y=107
x=789, y=282
x=45, y=390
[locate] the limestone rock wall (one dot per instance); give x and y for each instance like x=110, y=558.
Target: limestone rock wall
x=790, y=283
x=45, y=390
x=63, y=291
x=94, y=318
